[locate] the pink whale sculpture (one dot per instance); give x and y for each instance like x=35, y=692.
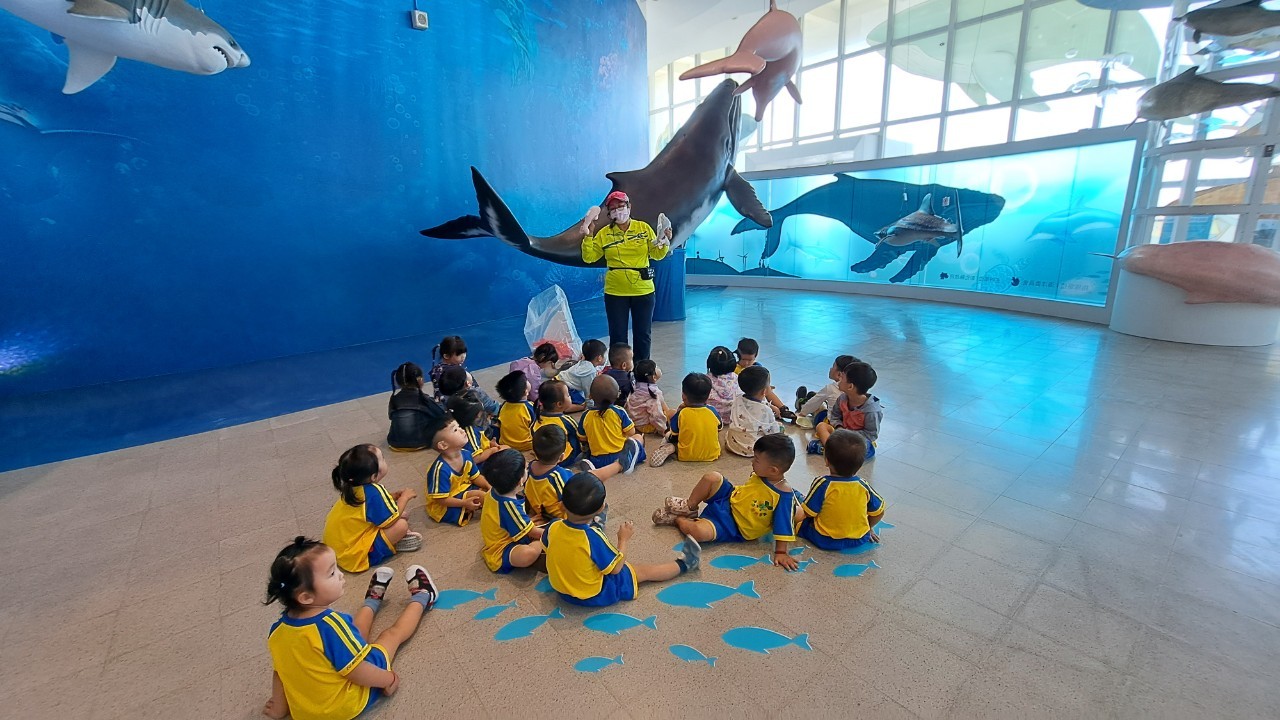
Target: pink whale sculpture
x=770, y=52
x=1211, y=272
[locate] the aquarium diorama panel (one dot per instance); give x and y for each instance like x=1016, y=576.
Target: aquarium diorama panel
x=1035, y=225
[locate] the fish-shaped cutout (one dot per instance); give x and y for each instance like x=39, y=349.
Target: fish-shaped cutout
x=882, y=525
x=739, y=562
x=524, y=627
x=762, y=640
x=615, y=623
x=854, y=570
x=688, y=654
x=922, y=226
x=804, y=564
x=797, y=551
x=453, y=597
x=494, y=611
x=703, y=594
x=596, y=664
x=544, y=585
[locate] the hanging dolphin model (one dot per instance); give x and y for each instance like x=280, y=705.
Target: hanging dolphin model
x=1229, y=18
x=685, y=181
x=770, y=52
x=169, y=33
x=1188, y=94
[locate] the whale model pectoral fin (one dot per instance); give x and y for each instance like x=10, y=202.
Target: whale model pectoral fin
x=467, y=226
x=915, y=263
x=750, y=83
x=739, y=62
x=104, y=10
x=85, y=66
x=743, y=198
x=795, y=92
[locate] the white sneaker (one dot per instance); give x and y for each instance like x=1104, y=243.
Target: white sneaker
x=661, y=453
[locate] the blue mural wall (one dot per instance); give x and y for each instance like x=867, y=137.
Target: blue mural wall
x=1030, y=224
x=190, y=222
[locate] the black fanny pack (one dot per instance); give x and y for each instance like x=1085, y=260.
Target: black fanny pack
x=646, y=273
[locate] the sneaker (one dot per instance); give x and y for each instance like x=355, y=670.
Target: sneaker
x=661, y=453
x=787, y=414
x=630, y=454
x=601, y=517
x=802, y=396
x=804, y=421
x=814, y=447
x=410, y=542
x=678, y=506
x=420, y=581
x=378, y=583
x=663, y=516
x=584, y=465
x=692, y=553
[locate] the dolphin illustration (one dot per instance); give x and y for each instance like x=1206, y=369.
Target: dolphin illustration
x=1188, y=94
x=169, y=33
x=1230, y=18
x=684, y=182
x=770, y=52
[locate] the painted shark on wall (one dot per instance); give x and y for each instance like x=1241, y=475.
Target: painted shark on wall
x=876, y=211
x=685, y=181
x=169, y=33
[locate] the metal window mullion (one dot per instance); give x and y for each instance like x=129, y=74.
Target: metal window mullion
x=946, y=75
x=1105, y=76
x=1021, y=58
x=844, y=6
x=888, y=68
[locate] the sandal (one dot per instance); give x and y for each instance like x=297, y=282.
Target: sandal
x=678, y=506
x=663, y=516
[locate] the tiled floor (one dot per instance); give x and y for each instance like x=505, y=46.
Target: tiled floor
x=1087, y=525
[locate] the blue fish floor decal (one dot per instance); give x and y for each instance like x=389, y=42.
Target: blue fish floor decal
x=703, y=594
x=493, y=611
x=805, y=564
x=544, y=585
x=688, y=654
x=615, y=623
x=524, y=627
x=854, y=570
x=761, y=640
x=453, y=597
x=596, y=664
x=739, y=562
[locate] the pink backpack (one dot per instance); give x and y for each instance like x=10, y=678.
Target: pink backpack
x=532, y=372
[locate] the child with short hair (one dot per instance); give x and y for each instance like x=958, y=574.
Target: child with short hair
x=584, y=567
x=747, y=352
x=410, y=410
x=455, y=487
x=580, y=375
x=764, y=503
x=751, y=417
x=841, y=509
x=452, y=352
x=809, y=405
x=724, y=381
x=366, y=525
x=511, y=540
x=544, y=493
x=695, y=426
x=516, y=416
x=451, y=380
x=646, y=406
x=607, y=428
x=321, y=665
x=620, y=367
x=856, y=409
x=466, y=408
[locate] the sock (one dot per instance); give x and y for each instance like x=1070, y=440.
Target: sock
x=374, y=605
x=425, y=598
x=684, y=568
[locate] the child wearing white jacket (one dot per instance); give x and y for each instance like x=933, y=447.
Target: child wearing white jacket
x=751, y=416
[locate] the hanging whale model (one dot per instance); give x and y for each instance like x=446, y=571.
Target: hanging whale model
x=685, y=181
x=169, y=33
x=1188, y=94
x=1230, y=18
x=769, y=52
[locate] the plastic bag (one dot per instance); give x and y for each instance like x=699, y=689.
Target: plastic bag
x=549, y=320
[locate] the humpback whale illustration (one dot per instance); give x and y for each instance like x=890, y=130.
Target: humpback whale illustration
x=685, y=182
x=169, y=33
x=870, y=207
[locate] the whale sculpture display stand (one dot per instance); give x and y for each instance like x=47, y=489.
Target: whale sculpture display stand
x=1151, y=308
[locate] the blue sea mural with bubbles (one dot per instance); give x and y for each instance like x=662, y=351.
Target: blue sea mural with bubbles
x=160, y=222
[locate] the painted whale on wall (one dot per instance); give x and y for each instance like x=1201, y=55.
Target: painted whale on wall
x=868, y=207
x=169, y=33
x=685, y=182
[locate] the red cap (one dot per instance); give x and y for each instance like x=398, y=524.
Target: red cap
x=617, y=196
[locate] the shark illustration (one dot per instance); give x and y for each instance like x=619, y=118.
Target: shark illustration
x=168, y=33
x=685, y=181
x=1230, y=18
x=770, y=52
x=1188, y=94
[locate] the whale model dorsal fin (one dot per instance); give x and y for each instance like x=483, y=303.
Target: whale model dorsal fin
x=85, y=66
x=102, y=10
x=926, y=205
x=743, y=198
x=1187, y=74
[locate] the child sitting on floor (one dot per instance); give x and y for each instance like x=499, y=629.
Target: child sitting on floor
x=366, y=525
x=841, y=510
x=322, y=666
x=553, y=402
x=620, y=367
x=580, y=375
x=646, y=406
x=584, y=567
x=764, y=503
x=516, y=416
x=511, y=540
x=747, y=352
x=695, y=426
x=452, y=352
x=606, y=429
x=410, y=410
x=812, y=406
x=544, y=493
x=466, y=408
x=724, y=381
x=856, y=409
x=455, y=487
x=751, y=417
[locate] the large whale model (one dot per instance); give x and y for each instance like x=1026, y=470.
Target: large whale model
x=1188, y=94
x=1211, y=272
x=770, y=52
x=1230, y=18
x=169, y=33
x=685, y=181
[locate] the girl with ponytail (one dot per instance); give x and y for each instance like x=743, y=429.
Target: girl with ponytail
x=366, y=525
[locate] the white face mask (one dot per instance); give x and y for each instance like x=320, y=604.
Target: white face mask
x=620, y=215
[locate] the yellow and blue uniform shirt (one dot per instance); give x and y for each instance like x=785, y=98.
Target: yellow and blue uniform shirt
x=355, y=531
x=572, y=446
x=696, y=431
x=445, y=482
x=515, y=420
x=313, y=657
x=544, y=493
x=477, y=441
x=840, y=512
x=606, y=431
x=631, y=250
x=503, y=525
x=750, y=511
x=580, y=560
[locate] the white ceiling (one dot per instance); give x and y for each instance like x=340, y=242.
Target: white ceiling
x=683, y=27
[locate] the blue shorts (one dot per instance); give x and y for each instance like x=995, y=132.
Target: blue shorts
x=615, y=588
x=506, y=556
x=576, y=398
x=378, y=658
x=720, y=515
x=602, y=460
x=454, y=516
x=381, y=550
x=809, y=532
